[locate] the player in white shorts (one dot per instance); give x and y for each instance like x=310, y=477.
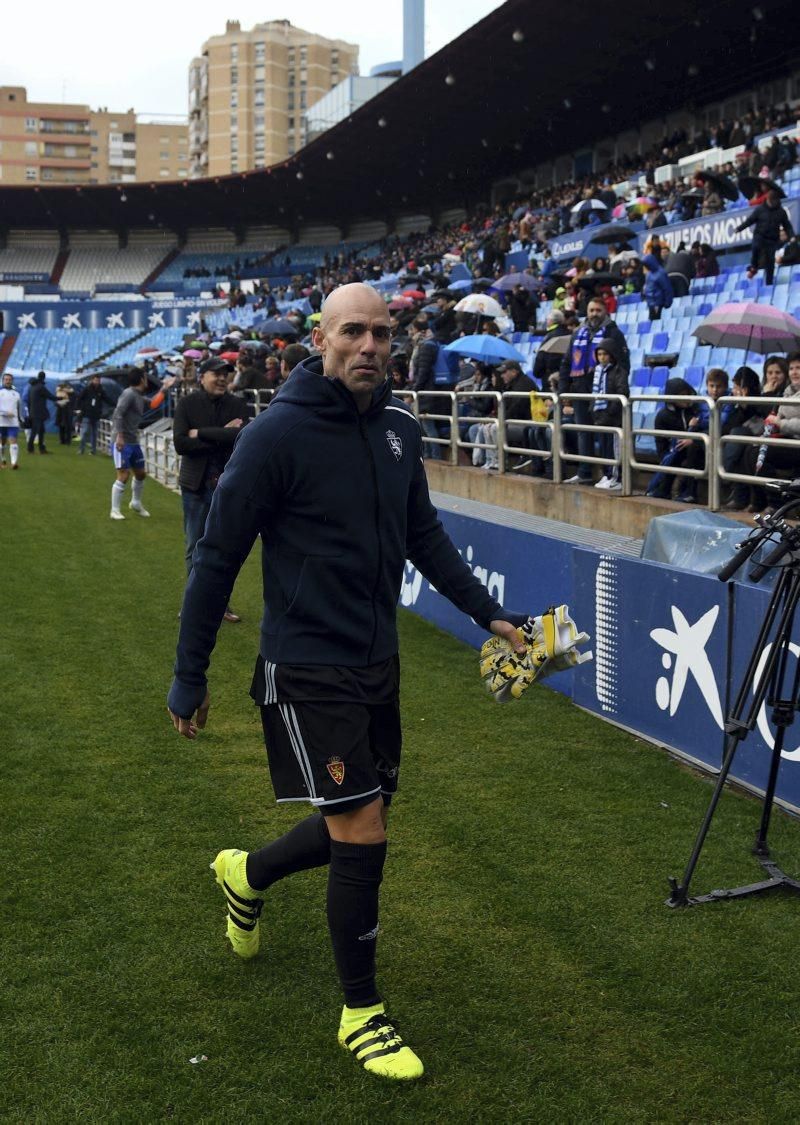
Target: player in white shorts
x=10, y=421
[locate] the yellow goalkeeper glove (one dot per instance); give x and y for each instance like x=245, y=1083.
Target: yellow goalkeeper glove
x=551, y=645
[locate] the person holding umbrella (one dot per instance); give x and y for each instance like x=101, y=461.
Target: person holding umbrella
x=522, y=308
x=767, y=221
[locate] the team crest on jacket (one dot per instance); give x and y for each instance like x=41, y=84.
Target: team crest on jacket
x=395, y=444
x=335, y=768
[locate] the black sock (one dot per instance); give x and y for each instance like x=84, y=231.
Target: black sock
x=354, y=881
x=304, y=846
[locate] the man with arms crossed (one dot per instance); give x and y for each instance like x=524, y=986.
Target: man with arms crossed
x=331, y=477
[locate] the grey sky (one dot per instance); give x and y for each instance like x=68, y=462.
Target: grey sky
x=138, y=55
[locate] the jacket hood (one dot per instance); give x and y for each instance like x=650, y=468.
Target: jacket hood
x=307, y=386
x=679, y=387
x=652, y=262
x=610, y=345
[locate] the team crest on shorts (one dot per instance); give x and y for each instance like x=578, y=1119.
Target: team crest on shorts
x=335, y=767
x=395, y=444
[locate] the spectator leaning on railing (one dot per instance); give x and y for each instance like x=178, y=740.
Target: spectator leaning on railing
x=745, y=420
x=610, y=378
x=576, y=374
x=675, y=415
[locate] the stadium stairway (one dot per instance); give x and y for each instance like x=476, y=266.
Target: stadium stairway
x=6, y=348
x=104, y=356
x=164, y=264
x=58, y=267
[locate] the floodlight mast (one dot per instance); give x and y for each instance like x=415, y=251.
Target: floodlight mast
x=765, y=681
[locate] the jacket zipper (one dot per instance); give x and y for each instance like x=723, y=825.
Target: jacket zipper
x=379, y=568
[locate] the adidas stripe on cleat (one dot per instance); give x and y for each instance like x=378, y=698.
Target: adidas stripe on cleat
x=243, y=903
x=375, y=1042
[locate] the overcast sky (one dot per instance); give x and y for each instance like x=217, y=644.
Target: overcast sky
x=137, y=56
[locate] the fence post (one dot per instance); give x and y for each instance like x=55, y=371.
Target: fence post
x=555, y=444
x=501, y=436
x=453, y=429
x=627, y=428
x=713, y=454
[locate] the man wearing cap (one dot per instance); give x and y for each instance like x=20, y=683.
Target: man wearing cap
x=203, y=432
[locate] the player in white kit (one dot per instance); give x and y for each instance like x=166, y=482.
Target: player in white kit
x=10, y=422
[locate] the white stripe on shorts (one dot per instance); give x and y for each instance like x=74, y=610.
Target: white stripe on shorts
x=293, y=730
x=271, y=693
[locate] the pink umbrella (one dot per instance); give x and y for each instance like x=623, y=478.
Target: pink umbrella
x=149, y=351
x=752, y=327
x=400, y=303
x=640, y=205
x=192, y=353
x=619, y=211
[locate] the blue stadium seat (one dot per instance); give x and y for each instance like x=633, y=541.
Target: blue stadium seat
x=695, y=377
x=640, y=377
x=660, y=343
x=658, y=378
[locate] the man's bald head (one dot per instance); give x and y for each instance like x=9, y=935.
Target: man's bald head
x=350, y=298
x=354, y=337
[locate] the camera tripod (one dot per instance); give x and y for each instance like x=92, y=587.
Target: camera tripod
x=765, y=680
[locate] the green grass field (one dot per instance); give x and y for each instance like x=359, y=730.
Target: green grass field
x=526, y=950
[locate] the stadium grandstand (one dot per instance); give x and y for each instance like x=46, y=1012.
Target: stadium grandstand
x=99, y=277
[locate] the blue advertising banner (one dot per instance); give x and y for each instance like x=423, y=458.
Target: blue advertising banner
x=179, y=313
x=521, y=569
x=19, y=276
x=719, y=231
x=753, y=756
x=660, y=639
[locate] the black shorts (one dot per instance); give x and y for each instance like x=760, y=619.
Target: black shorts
x=332, y=735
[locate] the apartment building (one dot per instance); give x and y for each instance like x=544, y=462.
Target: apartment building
x=43, y=142
x=51, y=143
x=249, y=92
x=125, y=149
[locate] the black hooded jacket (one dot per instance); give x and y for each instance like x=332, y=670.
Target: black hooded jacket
x=340, y=500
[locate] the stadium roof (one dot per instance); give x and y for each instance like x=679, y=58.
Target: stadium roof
x=528, y=82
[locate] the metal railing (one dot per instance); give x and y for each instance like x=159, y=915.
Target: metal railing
x=560, y=426
x=621, y=433
x=449, y=433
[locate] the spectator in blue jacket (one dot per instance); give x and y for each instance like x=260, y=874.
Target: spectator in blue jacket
x=657, y=290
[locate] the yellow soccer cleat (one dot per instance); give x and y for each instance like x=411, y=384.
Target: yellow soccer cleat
x=375, y=1042
x=244, y=904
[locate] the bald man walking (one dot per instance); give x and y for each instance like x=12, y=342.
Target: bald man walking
x=331, y=477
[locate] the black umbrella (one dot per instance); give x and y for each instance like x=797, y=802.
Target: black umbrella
x=695, y=193
x=755, y=185
x=726, y=188
x=592, y=279
x=276, y=326
x=611, y=232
